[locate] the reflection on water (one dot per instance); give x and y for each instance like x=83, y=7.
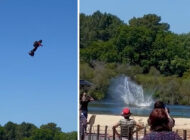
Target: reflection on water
x=105, y=107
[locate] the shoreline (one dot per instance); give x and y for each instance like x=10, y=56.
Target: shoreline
x=134, y=115
x=110, y=120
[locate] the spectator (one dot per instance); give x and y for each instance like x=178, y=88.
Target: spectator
x=127, y=125
x=158, y=121
x=161, y=105
x=84, y=104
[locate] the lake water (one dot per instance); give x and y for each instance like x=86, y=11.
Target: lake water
x=106, y=107
x=123, y=92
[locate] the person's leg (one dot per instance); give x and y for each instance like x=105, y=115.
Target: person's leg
x=82, y=137
x=85, y=115
x=82, y=133
x=31, y=53
x=35, y=48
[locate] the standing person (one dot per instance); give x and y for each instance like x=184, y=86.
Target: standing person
x=36, y=45
x=83, y=124
x=84, y=103
x=158, y=122
x=127, y=125
x=161, y=105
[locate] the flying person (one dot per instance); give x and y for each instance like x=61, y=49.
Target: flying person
x=36, y=45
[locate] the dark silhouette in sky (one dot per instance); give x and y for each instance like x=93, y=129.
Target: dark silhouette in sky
x=36, y=45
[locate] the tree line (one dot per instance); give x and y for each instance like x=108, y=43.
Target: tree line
x=145, y=45
x=28, y=131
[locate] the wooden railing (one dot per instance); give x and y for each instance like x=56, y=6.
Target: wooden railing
x=101, y=133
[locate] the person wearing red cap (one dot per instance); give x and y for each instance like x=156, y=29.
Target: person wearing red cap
x=127, y=125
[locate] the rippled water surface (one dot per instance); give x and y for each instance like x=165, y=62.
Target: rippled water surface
x=105, y=107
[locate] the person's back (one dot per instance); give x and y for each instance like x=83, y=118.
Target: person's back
x=127, y=126
x=84, y=105
x=36, y=44
x=160, y=130
x=164, y=135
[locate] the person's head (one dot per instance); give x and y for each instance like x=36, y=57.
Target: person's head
x=126, y=113
x=159, y=104
x=84, y=94
x=40, y=41
x=158, y=120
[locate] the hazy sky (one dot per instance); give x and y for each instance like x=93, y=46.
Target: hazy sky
x=174, y=12
x=41, y=89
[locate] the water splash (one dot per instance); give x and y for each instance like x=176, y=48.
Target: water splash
x=123, y=90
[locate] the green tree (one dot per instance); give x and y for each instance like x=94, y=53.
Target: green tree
x=24, y=130
x=10, y=130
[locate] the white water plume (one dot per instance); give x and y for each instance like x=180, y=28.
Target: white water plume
x=123, y=90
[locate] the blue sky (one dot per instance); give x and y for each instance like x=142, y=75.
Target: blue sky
x=174, y=12
x=41, y=89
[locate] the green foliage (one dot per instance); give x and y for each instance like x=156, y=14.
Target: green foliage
x=27, y=131
x=144, y=49
x=102, y=74
x=2, y=133
x=97, y=27
x=150, y=21
x=145, y=41
x=170, y=89
x=24, y=130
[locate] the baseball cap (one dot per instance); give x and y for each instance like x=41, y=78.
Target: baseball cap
x=126, y=112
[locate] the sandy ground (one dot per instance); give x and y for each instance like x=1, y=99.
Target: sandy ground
x=110, y=120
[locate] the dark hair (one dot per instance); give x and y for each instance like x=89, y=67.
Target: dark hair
x=159, y=104
x=40, y=41
x=158, y=120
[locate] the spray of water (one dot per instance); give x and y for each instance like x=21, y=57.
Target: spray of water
x=122, y=89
